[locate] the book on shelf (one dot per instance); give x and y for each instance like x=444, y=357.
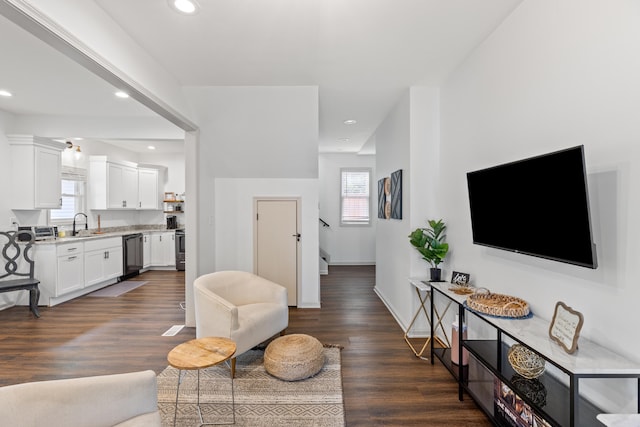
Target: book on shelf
x=511, y=411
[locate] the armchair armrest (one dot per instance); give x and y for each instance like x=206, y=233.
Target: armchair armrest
x=215, y=316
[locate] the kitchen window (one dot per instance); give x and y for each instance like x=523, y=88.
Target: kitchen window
x=355, y=200
x=73, y=196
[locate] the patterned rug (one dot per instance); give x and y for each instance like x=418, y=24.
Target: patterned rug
x=260, y=399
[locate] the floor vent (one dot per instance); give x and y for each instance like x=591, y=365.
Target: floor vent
x=172, y=331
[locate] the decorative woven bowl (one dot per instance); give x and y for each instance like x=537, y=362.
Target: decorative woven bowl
x=525, y=362
x=500, y=305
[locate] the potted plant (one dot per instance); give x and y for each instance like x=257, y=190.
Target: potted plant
x=430, y=243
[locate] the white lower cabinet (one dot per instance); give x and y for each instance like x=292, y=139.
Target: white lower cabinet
x=146, y=250
x=163, y=249
x=70, y=269
x=102, y=260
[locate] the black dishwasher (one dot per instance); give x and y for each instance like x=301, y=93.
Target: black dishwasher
x=131, y=255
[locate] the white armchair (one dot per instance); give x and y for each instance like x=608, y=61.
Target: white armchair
x=241, y=306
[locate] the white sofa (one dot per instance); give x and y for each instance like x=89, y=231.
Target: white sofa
x=124, y=400
x=246, y=308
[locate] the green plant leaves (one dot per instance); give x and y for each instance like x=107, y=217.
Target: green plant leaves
x=430, y=242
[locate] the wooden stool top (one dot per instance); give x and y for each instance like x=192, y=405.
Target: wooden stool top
x=201, y=353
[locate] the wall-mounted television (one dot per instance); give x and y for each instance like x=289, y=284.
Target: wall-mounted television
x=537, y=206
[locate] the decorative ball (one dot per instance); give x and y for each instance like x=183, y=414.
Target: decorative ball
x=525, y=362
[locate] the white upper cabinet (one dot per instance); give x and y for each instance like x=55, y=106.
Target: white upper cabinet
x=150, y=181
x=35, y=170
x=124, y=185
x=112, y=185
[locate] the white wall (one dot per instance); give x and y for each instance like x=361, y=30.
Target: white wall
x=345, y=245
x=259, y=131
x=555, y=75
x=251, y=136
x=51, y=126
x=89, y=23
x=5, y=171
x=7, y=299
x=392, y=247
x=234, y=227
x=407, y=139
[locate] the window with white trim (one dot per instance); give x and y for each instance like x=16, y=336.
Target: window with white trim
x=73, y=196
x=355, y=200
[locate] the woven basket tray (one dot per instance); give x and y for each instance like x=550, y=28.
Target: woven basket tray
x=500, y=305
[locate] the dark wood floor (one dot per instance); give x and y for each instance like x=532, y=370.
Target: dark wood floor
x=384, y=383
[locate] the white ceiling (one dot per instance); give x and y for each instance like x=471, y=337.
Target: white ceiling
x=362, y=54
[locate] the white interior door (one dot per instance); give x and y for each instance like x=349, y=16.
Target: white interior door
x=276, y=243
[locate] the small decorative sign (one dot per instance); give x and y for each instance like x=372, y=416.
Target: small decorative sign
x=565, y=327
x=460, y=279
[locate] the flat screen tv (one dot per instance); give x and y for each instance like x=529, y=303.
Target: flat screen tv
x=537, y=206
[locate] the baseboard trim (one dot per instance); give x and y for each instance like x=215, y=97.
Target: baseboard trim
x=347, y=263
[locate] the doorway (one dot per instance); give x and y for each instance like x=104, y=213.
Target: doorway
x=277, y=242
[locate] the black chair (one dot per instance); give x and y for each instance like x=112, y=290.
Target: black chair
x=16, y=248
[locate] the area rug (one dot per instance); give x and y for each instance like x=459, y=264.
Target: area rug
x=260, y=399
x=118, y=289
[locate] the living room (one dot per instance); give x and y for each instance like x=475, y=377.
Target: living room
x=552, y=75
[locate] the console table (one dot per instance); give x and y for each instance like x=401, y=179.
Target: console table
x=423, y=290
x=554, y=396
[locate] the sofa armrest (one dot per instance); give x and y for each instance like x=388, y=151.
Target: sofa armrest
x=90, y=402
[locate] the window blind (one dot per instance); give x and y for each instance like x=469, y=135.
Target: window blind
x=355, y=190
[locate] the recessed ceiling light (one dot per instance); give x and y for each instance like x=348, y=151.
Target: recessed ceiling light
x=188, y=7
x=77, y=138
x=151, y=147
x=5, y=93
x=122, y=94
x=350, y=122
x=344, y=140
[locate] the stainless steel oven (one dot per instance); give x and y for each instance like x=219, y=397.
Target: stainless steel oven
x=180, y=250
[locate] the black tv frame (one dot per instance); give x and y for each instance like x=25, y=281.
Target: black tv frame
x=528, y=162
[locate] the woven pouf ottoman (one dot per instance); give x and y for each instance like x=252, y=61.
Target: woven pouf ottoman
x=294, y=357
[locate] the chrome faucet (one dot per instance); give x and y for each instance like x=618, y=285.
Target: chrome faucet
x=86, y=223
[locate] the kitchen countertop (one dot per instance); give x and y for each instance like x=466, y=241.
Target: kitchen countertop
x=84, y=236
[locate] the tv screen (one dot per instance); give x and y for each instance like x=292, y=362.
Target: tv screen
x=537, y=206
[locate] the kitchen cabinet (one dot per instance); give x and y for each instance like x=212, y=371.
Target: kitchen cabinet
x=112, y=185
x=146, y=250
x=149, y=181
x=163, y=250
x=102, y=260
x=70, y=269
x=35, y=172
